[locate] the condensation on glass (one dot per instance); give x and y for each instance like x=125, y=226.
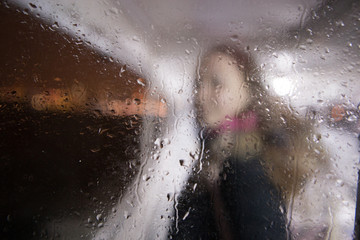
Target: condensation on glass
x=181, y=120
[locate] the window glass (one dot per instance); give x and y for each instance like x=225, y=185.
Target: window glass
x=181, y=120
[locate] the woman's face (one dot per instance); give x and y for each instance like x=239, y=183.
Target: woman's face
x=223, y=91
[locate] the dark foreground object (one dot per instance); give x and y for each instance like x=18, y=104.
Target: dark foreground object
x=59, y=171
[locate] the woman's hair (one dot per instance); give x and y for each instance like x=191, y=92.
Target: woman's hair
x=244, y=61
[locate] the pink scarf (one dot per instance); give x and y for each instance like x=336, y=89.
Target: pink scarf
x=245, y=123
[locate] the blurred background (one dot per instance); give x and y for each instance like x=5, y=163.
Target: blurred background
x=75, y=76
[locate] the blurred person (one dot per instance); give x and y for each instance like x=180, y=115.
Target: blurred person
x=258, y=155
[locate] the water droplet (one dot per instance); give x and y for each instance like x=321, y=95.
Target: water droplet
x=339, y=183
x=166, y=141
x=141, y=82
x=234, y=38
x=55, y=25
x=302, y=47
x=95, y=150
x=32, y=5
x=186, y=214
x=282, y=210
x=146, y=178
x=194, y=188
x=156, y=156
x=157, y=142
x=352, y=118
x=228, y=118
x=128, y=101
x=136, y=101
x=127, y=215
x=340, y=23
x=122, y=70
x=194, y=156
x=26, y=11
x=114, y=10
x=329, y=176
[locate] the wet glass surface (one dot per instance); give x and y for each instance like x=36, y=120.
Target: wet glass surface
x=65, y=160
x=122, y=120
